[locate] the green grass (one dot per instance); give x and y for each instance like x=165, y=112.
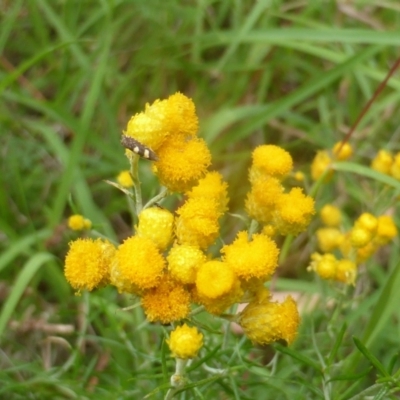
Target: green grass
x=295, y=74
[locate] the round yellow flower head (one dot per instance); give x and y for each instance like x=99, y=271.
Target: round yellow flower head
x=185, y=342
x=294, y=212
x=182, y=162
x=197, y=222
x=368, y=222
x=218, y=305
x=139, y=263
x=270, y=160
x=263, y=198
x=212, y=186
x=299, y=176
x=173, y=116
x=124, y=178
x=331, y=215
x=269, y=230
x=395, y=169
x=345, y=151
x=87, y=263
x=156, y=224
x=184, y=262
x=169, y=301
x=257, y=258
x=265, y=322
x=148, y=130
x=346, y=272
x=382, y=162
x=386, y=230
x=360, y=237
x=329, y=239
x=324, y=265
x=182, y=116
x=320, y=164
x=77, y=222
x=214, y=279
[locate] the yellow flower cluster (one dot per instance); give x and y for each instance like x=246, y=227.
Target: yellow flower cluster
x=287, y=213
x=169, y=127
x=386, y=163
x=367, y=234
x=323, y=159
x=165, y=263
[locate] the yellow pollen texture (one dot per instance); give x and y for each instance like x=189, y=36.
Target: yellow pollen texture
x=214, y=279
x=139, y=262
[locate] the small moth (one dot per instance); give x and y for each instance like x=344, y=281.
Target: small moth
x=138, y=148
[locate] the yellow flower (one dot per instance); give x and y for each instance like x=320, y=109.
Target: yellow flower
x=197, y=222
x=185, y=342
x=269, y=230
x=382, y=162
x=182, y=162
x=147, y=130
x=124, y=179
x=156, y=224
x=345, y=153
x=328, y=267
x=178, y=114
x=270, y=160
x=218, y=305
x=257, y=258
x=360, y=237
x=294, y=212
x=328, y=239
x=173, y=116
x=320, y=164
x=169, y=301
x=214, y=279
x=386, y=230
x=299, y=176
x=324, y=265
x=330, y=215
x=265, y=322
x=87, y=263
x=138, y=264
x=78, y=222
x=212, y=186
x=184, y=262
x=346, y=272
x=368, y=222
x=263, y=198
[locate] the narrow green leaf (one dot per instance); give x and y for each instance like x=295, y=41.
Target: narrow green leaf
x=22, y=281
x=22, y=246
x=14, y=75
x=372, y=359
x=385, y=306
x=362, y=170
x=351, y=377
x=338, y=342
x=298, y=356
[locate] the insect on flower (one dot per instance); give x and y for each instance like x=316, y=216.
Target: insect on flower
x=138, y=148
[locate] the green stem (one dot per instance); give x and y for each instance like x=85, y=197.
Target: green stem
x=134, y=161
x=285, y=248
x=162, y=195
